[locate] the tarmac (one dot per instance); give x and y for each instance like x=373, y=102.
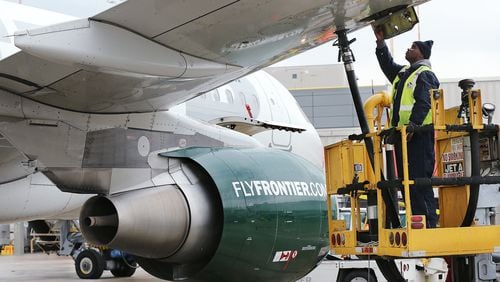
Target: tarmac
x=48, y=268
x=43, y=267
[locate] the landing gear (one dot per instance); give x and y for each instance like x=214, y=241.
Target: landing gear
x=123, y=270
x=124, y=265
x=89, y=264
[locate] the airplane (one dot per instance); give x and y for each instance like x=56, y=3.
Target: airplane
x=151, y=123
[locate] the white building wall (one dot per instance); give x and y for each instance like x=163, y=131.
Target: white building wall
x=490, y=93
x=333, y=76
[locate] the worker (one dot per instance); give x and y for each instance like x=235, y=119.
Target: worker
x=411, y=106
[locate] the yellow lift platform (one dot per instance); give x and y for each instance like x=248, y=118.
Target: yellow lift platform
x=349, y=172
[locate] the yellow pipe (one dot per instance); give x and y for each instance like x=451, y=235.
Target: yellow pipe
x=381, y=99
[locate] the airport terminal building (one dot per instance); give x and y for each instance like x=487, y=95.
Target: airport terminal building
x=323, y=93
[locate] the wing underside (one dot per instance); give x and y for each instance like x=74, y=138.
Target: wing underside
x=142, y=56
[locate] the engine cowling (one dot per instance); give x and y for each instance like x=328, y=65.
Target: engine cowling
x=233, y=214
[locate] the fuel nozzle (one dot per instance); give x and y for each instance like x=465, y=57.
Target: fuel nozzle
x=466, y=85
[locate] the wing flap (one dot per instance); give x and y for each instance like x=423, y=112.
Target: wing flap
x=253, y=126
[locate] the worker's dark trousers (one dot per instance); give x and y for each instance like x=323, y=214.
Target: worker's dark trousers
x=420, y=164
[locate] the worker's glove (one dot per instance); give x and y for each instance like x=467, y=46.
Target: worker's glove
x=393, y=137
x=410, y=130
x=412, y=127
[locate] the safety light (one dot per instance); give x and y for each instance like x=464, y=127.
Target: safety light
x=338, y=240
x=417, y=221
x=333, y=240
x=488, y=110
x=417, y=218
x=398, y=239
x=404, y=239
x=417, y=225
x=391, y=238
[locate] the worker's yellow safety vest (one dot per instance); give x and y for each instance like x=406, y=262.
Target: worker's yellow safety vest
x=407, y=99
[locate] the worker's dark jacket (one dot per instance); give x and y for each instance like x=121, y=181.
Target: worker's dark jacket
x=421, y=145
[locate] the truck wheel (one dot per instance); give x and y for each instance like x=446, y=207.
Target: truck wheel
x=360, y=276
x=89, y=264
x=123, y=270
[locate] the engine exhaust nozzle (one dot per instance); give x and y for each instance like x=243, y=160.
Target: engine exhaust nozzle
x=152, y=223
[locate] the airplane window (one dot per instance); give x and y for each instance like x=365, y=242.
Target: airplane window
x=229, y=96
x=302, y=112
x=294, y=76
x=216, y=96
x=242, y=97
x=255, y=105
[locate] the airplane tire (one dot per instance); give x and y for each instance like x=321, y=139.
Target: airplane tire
x=89, y=264
x=360, y=275
x=123, y=270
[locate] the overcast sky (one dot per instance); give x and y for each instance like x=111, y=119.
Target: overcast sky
x=466, y=38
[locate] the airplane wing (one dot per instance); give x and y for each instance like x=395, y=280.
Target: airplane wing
x=142, y=56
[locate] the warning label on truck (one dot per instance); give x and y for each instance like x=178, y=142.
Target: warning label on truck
x=453, y=169
x=453, y=162
x=453, y=156
x=484, y=149
x=457, y=144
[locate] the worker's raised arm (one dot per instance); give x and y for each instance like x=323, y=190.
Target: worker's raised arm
x=384, y=57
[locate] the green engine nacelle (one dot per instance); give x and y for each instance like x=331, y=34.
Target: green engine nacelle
x=274, y=224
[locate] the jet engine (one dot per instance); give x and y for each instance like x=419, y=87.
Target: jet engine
x=231, y=214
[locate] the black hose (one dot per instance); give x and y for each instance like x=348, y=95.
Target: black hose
x=476, y=172
x=348, y=59
x=437, y=181
x=389, y=270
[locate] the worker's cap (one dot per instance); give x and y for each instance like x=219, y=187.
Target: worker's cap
x=425, y=47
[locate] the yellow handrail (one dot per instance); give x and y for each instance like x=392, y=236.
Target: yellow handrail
x=378, y=100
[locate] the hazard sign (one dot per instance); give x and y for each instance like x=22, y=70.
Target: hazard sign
x=453, y=169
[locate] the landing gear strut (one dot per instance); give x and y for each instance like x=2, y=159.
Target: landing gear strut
x=91, y=262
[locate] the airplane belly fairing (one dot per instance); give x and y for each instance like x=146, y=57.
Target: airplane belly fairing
x=35, y=197
x=267, y=216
